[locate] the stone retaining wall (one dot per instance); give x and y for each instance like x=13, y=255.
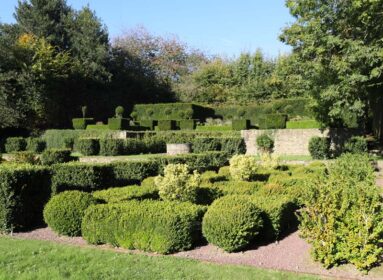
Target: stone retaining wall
x=295, y=141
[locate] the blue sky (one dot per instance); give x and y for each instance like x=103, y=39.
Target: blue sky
x=225, y=27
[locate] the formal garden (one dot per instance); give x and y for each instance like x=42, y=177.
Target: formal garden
x=142, y=158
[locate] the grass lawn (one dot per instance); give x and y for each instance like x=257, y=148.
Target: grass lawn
x=31, y=259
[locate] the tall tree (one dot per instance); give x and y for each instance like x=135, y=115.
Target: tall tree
x=340, y=44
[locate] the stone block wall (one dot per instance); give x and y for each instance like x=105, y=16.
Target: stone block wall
x=295, y=141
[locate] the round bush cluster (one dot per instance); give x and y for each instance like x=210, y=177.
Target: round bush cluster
x=178, y=184
x=64, y=212
x=119, y=111
x=265, y=143
x=243, y=168
x=232, y=222
x=319, y=147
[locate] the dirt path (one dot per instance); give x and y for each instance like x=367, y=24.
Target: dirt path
x=290, y=254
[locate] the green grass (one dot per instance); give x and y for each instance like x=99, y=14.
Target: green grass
x=31, y=259
x=303, y=124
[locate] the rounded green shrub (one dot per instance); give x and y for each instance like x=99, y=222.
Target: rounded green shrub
x=356, y=145
x=64, y=212
x=319, y=147
x=265, y=143
x=243, y=168
x=53, y=156
x=15, y=144
x=88, y=146
x=112, y=147
x=177, y=183
x=119, y=111
x=232, y=222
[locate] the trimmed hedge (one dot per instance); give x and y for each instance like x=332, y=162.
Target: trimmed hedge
x=164, y=125
x=53, y=156
x=272, y=121
x=154, y=226
x=147, y=124
x=81, y=123
x=118, y=124
x=15, y=144
x=232, y=222
x=97, y=127
x=64, y=212
x=112, y=147
x=188, y=124
x=128, y=172
x=88, y=146
x=240, y=124
x=319, y=147
x=229, y=145
x=36, y=145
x=304, y=124
x=24, y=190
x=116, y=195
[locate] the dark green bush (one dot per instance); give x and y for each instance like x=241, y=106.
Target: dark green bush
x=278, y=214
x=36, y=145
x=81, y=176
x=118, y=124
x=116, y=195
x=135, y=147
x=356, y=145
x=53, y=156
x=265, y=143
x=343, y=214
x=81, y=123
x=64, y=212
x=240, y=124
x=272, y=121
x=229, y=145
x=232, y=222
x=24, y=190
x=233, y=145
x=128, y=172
x=112, y=147
x=88, y=146
x=15, y=144
x=166, y=125
x=188, y=124
x=155, y=226
x=154, y=145
x=204, y=144
x=319, y=147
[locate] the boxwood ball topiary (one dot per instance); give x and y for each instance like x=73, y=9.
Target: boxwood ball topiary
x=232, y=222
x=64, y=212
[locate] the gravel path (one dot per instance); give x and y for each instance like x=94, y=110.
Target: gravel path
x=290, y=254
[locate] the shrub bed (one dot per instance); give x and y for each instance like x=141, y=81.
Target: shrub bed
x=304, y=124
x=36, y=145
x=128, y=172
x=15, y=144
x=229, y=145
x=88, y=146
x=232, y=222
x=116, y=195
x=24, y=190
x=112, y=147
x=54, y=156
x=64, y=212
x=155, y=226
x=319, y=147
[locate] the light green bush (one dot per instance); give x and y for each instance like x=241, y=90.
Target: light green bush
x=243, y=168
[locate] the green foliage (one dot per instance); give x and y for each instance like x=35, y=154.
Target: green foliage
x=112, y=147
x=25, y=157
x=177, y=184
x=188, y=124
x=240, y=124
x=119, y=112
x=233, y=145
x=24, y=190
x=304, y=124
x=117, y=195
x=81, y=176
x=356, y=145
x=118, y=124
x=128, y=172
x=15, y=144
x=319, y=147
x=88, y=146
x=53, y=156
x=36, y=145
x=243, y=168
x=164, y=125
x=97, y=127
x=147, y=123
x=82, y=123
x=64, y=212
x=342, y=218
x=154, y=226
x=229, y=145
x=272, y=121
x=232, y=222
x=211, y=128
x=60, y=138
x=204, y=144
x=265, y=143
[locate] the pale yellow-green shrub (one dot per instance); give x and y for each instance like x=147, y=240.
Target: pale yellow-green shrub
x=178, y=184
x=243, y=168
x=269, y=160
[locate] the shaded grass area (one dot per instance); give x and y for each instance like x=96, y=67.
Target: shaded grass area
x=31, y=259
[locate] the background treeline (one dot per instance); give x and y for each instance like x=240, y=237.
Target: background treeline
x=55, y=59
